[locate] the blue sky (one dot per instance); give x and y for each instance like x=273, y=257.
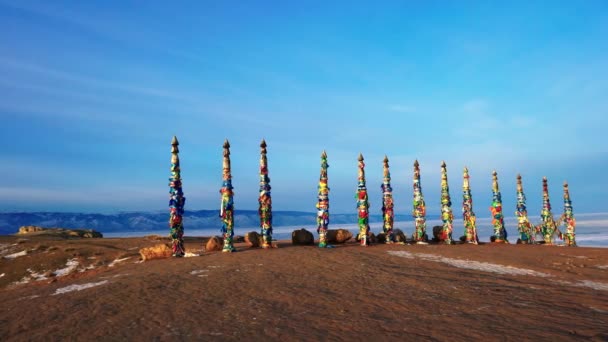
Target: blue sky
x=92, y=92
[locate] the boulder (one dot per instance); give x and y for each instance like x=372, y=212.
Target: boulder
x=437, y=233
x=371, y=238
x=381, y=237
x=302, y=237
x=252, y=239
x=399, y=236
x=156, y=252
x=214, y=244
x=238, y=238
x=338, y=236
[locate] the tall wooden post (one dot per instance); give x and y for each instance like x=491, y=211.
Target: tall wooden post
x=227, y=201
x=265, y=201
x=362, y=204
x=323, y=203
x=176, y=202
x=468, y=215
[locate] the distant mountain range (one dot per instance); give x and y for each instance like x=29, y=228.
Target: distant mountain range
x=151, y=221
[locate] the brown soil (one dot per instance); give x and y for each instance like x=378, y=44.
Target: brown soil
x=302, y=293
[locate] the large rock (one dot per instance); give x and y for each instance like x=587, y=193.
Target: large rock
x=161, y=251
x=381, y=237
x=437, y=233
x=302, y=237
x=253, y=239
x=238, y=238
x=399, y=236
x=371, y=238
x=338, y=236
x=215, y=244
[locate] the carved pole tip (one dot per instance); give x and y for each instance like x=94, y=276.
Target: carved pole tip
x=385, y=159
x=324, y=154
x=174, y=141
x=416, y=163
x=360, y=157
x=263, y=143
x=226, y=144
x=442, y=163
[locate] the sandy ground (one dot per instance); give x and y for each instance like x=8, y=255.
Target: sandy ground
x=98, y=289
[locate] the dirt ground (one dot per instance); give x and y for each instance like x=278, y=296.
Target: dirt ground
x=98, y=289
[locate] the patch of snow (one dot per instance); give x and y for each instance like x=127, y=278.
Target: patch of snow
x=190, y=255
x=78, y=287
x=37, y=276
x=71, y=265
x=117, y=261
x=2, y=275
x=203, y=275
x=470, y=264
x=195, y=272
x=593, y=284
x=15, y=255
x=603, y=267
x=211, y=266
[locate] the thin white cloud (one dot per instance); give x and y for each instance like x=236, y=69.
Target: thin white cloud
x=91, y=81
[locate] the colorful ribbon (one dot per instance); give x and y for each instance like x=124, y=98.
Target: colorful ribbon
x=526, y=229
x=227, y=201
x=446, y=207
x=362, y=204
x=265, y=209
x=548, y=226
x=468, y=216
x=568, y=219
x=323, y=203
x=388, y=215
x=500, y=233
x=176, y=202
x=419, y=211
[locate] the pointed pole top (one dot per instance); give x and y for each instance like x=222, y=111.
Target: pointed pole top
x=494, y=173
x=360, y=157
x=518, y=177
x=416, y=163
x=565, y=184
x=466, y=170
x=226, y=144
x=385, y=159
x=544, y=179
x=324, y=154
x=442, y=163
x=263, y=143
x=174, y=141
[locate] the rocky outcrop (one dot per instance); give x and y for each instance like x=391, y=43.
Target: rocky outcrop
x=214, y=244
x=302, y=237
x=161, y=251
x=338, y=236
x=253, y=239
x=61, y=232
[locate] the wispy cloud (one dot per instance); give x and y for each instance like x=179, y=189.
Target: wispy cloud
x=91, y=81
